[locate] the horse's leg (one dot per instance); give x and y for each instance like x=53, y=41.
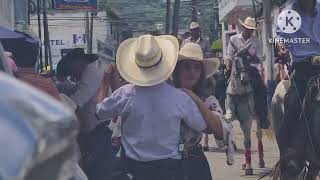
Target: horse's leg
x=313, y=173
x=206, y=142
x=246, y=129
x=260, y=147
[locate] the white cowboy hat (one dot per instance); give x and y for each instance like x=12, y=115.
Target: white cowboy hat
x=249, y=23
x=192, y=51
x=147, y=60
x=194, y=25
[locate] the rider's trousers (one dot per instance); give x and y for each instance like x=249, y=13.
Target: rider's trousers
x=294, y=130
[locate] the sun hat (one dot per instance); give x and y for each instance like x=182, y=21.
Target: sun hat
x=147, y=60
x=77, y=53
x=249, y=23
x=192, y=51
x=194, y=25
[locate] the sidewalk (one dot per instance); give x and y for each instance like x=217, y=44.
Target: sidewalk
x=217, y=158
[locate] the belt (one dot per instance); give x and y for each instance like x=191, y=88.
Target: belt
x=191, y=151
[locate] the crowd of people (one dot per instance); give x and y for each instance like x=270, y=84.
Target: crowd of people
x=145, y=115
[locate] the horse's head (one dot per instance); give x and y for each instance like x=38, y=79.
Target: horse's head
x=240, y=70
x=241, y=63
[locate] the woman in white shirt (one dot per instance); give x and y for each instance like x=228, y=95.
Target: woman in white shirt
x=190, y=74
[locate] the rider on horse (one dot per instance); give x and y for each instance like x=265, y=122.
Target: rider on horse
x=294, y=131
x=238, y=41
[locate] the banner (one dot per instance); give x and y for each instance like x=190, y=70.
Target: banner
x=76, y=4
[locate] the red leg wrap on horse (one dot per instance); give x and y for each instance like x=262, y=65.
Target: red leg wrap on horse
x=260, y=148
x=247, y=154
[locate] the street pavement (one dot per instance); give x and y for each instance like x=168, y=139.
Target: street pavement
x=217, y=158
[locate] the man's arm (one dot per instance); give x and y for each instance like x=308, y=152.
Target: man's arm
x=115, y=105
x=230, y=55
x=110, y=78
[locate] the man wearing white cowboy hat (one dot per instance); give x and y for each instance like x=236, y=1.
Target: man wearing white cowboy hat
x=195, y=37
x=243, y=38
x=238, y=41
x=151, y=110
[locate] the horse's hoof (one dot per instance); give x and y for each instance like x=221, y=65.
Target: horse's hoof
x=205, y=148
x=243, y=166
x=262, y=164
x=249, y=172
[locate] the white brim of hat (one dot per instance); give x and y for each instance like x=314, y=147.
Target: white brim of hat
x=246, y=26
x=136, y=75
x=211, y=65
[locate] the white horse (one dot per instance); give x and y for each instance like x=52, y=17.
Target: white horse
x=240, y=105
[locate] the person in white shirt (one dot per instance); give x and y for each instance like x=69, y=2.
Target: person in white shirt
x=151, y=110
x=93, y=133
x=255, y=51
x=196, y=37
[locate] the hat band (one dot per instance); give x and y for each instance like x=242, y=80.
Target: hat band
x=249, y=25
x=153, y=65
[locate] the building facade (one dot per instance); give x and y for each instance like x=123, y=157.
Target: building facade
x=230, y=11
x=67, y=30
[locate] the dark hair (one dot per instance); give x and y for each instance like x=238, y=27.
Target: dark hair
x=63, y=69
x=199, y=87
x=25, y=50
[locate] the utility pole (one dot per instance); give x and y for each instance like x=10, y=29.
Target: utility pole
x=21, y=15
x=254, y=10
x=47, y=52
x=91, y=33
x=87, y=31
x=267, y=27
x=175, y=23
x=168, y=17
x=40, y=36
x=194, y=12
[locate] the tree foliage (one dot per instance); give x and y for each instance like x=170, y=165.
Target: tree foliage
x=144, y=14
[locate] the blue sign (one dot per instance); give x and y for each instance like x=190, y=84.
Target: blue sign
x=76, y=4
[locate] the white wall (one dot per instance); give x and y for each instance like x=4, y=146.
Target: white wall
x=64, y=25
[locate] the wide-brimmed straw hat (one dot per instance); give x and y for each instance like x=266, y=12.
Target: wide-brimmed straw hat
x=249, y=23
x=77, y=53
x=147, y=60
x=192, y=51
x=194, y=25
